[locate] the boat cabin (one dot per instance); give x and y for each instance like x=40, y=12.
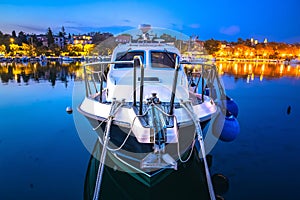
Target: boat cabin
x=159, y=63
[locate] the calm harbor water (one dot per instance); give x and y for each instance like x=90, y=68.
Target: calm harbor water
x=42, y=156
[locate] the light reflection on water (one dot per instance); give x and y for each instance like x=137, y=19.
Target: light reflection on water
x=52, y=71
x=262, y=70
x=36, y=72
x=42, y=157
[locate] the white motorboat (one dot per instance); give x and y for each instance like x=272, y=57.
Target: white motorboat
x=148, y=114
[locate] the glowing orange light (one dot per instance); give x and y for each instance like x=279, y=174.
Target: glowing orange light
x=261, y=77
x=281, y=68
x=235, y=68
x=263, y=68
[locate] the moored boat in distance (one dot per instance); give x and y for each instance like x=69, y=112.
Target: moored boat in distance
x=294, y=61
x=66, y=59
x=150, y=117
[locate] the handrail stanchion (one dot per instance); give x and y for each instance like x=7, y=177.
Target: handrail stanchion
x=141, y=88
x=85, y=81
x=135, y=63
x=197, y=85
x=138, y=62
x=177, y=67
x=88, y=85
x=101, y=81
x=94, y=82
x=101, y=87
x=202, y=84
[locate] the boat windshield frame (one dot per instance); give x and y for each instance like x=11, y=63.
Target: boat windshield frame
x=167, y=63
x=128, y=56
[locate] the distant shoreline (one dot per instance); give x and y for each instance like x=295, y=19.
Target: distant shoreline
x=24, y=59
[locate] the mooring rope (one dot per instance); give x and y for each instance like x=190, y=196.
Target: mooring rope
x=131, y=129
x=114, y=109
x=189, y=109
x=104, y=141
x=128, y=134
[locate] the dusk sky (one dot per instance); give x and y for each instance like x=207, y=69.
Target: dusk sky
x=277, y=20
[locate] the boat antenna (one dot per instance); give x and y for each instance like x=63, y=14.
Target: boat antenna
x=145, y=28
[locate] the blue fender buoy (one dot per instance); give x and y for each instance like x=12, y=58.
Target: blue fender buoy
x=226, y=128
x=218, y=197
x=220, y=183
x=231, y=106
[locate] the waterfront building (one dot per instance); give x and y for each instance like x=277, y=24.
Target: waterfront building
x=81, y=39
x=43, y=39
x=123, y=39
x=59, y=40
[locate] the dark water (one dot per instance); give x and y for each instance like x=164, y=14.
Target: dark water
x=42, y=156
x=263, y=162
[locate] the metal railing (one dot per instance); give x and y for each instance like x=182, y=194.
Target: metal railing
x=89, y=76
x=94, y=76
x=205, y=76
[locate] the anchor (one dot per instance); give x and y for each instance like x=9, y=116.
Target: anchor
x=158, y=158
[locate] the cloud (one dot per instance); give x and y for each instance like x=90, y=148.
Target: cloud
x=28, y=28
x=231, y=30
x=194, y=25
x=127, y=20
x=87, y=29
x=71, y=23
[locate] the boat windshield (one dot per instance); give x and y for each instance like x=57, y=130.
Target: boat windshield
x=127, y=56
x=163, y=59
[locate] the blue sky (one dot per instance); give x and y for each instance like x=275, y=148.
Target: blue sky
x=276, y=20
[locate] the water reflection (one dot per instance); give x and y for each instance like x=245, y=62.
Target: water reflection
x=28, y=73
x=249, y=71
x=189, y=179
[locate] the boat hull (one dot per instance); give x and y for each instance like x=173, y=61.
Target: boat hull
x=188, y=179
x=128, y=158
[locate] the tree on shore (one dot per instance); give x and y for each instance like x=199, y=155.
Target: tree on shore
x=50, y=37
x=13, y=34
x=100, y=37
x=21, y=38
x=5, y=40
x=212, y=46
x=2, y=48
x=55, y=49
x=62, y=33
